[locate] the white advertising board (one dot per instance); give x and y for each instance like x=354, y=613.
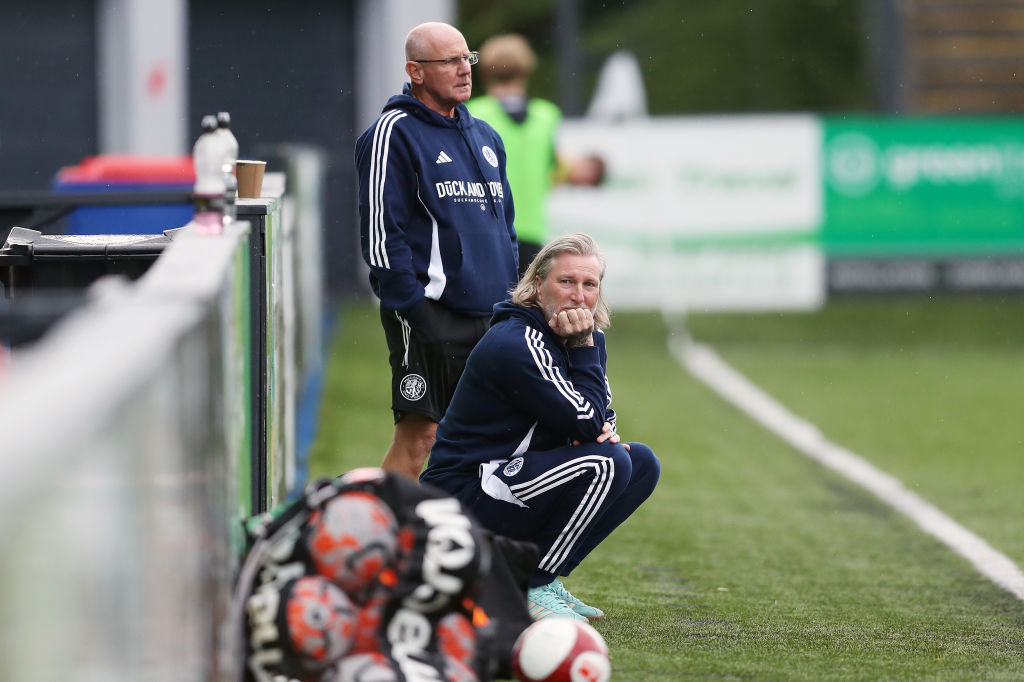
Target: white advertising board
x=702, y=213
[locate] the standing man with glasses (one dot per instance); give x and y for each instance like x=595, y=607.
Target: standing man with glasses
x=436, y=229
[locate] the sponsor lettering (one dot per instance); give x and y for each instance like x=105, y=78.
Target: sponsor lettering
x=465, y=190
x=459, y=188
x=857, y=164
x=409, y=633
x=449, y=547
x=263, y=606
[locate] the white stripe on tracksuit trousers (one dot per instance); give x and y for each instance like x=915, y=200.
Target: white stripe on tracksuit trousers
x=604, y=474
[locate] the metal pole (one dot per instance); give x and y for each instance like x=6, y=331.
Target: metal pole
x=885, y=24
x=570, y=62
x=142, y=71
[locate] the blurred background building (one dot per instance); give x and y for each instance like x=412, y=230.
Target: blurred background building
x=872, y=135
x=87, y=77
x=949, y=57
x=84, y=77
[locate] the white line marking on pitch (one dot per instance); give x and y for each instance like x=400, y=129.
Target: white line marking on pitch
x=707, y=366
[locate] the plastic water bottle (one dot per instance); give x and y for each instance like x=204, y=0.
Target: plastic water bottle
x=209, y=190
x=230, y=158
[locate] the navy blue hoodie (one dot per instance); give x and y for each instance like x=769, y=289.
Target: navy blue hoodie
x=435, y=209
x=522, y=389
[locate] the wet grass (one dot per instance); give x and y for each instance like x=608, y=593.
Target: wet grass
x=751, y=562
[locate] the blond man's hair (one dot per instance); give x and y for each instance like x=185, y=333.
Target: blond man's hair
x=505, y=58
x=579, y=244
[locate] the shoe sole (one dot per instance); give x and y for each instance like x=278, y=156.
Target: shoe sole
x=538, y=612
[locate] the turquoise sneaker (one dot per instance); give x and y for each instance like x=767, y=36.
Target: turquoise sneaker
x=544, y=602
x=575, y=603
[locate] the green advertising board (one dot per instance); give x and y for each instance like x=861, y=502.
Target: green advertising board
x=923, y=187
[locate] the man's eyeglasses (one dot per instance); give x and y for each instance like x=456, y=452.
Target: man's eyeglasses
x=470, y=57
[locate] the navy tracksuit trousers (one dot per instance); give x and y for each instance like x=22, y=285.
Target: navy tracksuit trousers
x=569, y=500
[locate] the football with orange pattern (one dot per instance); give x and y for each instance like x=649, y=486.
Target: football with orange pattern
x=351, y=539
x=320, y=619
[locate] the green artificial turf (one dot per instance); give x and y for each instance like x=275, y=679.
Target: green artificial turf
x=355, y=423
x=928, y=390
x=751, y=562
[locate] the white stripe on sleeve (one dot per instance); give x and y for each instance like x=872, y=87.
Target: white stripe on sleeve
x=378, y=175
x=545, y=363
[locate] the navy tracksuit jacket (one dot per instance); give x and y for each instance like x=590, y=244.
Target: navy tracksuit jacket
x=435, y=209
x=504, y=448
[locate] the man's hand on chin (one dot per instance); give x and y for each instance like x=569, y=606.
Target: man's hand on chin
x=575, y=326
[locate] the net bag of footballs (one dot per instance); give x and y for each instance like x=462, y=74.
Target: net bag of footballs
x=410, y=564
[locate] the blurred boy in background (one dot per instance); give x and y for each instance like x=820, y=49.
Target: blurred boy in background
x=528, y=126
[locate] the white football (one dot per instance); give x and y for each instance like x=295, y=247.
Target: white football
x=561, y=650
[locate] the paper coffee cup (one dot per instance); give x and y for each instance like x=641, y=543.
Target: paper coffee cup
x=250, y=178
